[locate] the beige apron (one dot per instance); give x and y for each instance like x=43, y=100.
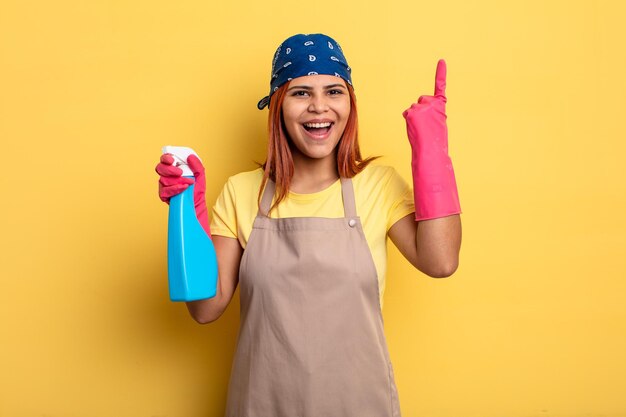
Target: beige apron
x=311, y=340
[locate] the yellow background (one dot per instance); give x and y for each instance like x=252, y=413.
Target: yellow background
x=533, y=323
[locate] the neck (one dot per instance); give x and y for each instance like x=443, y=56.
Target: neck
x=313, y=175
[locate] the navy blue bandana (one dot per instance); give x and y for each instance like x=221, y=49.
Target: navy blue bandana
x=302, y=55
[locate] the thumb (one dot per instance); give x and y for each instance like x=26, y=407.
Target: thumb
x=195, y=165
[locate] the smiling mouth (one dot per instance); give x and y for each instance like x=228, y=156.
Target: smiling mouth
x=318, y=129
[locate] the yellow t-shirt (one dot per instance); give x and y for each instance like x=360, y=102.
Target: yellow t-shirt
x=382, y=198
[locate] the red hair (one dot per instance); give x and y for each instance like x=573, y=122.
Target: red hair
x=279, y=163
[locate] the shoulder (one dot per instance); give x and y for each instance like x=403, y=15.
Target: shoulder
x=245, y=182
x=382, y=186
x=247, y=177
x=240, y=190
x=376, y=176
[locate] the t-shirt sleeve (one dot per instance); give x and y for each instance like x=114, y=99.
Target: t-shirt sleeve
x=401, y=196
x=224, y=216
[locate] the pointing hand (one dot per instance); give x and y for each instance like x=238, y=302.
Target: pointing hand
x=434, y=185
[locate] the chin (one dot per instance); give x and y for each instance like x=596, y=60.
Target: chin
x=312, y=153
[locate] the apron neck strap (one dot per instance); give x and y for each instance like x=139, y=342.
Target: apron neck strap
x=268, y=196
x=347, y=193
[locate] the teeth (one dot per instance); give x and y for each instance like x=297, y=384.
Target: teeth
x=317, y=125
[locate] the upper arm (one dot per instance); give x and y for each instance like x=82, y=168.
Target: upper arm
x=227, y=247
x=228, y=252
x=403, y=235
x=401, y=224
x=432, y=246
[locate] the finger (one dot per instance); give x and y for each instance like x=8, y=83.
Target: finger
x=168, y=170
x=440, y=79
x=195, y=165
x=167, y=192
x=167, y=159
x=169, y=181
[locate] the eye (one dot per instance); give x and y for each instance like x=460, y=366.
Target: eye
x=300, y=93
x=335, y=92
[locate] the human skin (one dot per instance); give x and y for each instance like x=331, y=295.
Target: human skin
x=310, y=99
x=431, y=246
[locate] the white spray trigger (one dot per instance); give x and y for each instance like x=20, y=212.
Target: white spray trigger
x=180, y=154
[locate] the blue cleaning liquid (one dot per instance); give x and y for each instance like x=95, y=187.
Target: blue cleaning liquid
x=191, y=259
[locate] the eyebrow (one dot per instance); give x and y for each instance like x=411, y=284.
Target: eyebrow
x=306, y=87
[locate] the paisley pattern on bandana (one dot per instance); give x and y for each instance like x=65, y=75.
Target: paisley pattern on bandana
x=301, y=55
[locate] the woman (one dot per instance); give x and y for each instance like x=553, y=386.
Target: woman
x=305, y=235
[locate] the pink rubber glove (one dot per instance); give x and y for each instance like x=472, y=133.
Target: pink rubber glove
x=434, y=186
x=171, y=183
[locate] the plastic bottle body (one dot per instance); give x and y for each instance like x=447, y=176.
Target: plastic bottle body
x=191, y=259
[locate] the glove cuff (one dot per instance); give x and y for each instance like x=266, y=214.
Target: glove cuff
x=435, y=191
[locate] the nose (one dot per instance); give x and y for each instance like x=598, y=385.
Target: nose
x=318, y=104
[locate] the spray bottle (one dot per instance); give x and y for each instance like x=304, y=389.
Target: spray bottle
x=191, y=259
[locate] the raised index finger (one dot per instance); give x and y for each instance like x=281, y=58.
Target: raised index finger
x=440, y=79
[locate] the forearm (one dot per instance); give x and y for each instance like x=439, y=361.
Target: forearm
x=229, y=254
x=207, y=310
x=437, y=206
x=438, y=244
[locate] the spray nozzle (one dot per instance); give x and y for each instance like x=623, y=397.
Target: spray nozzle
x=180, y=154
